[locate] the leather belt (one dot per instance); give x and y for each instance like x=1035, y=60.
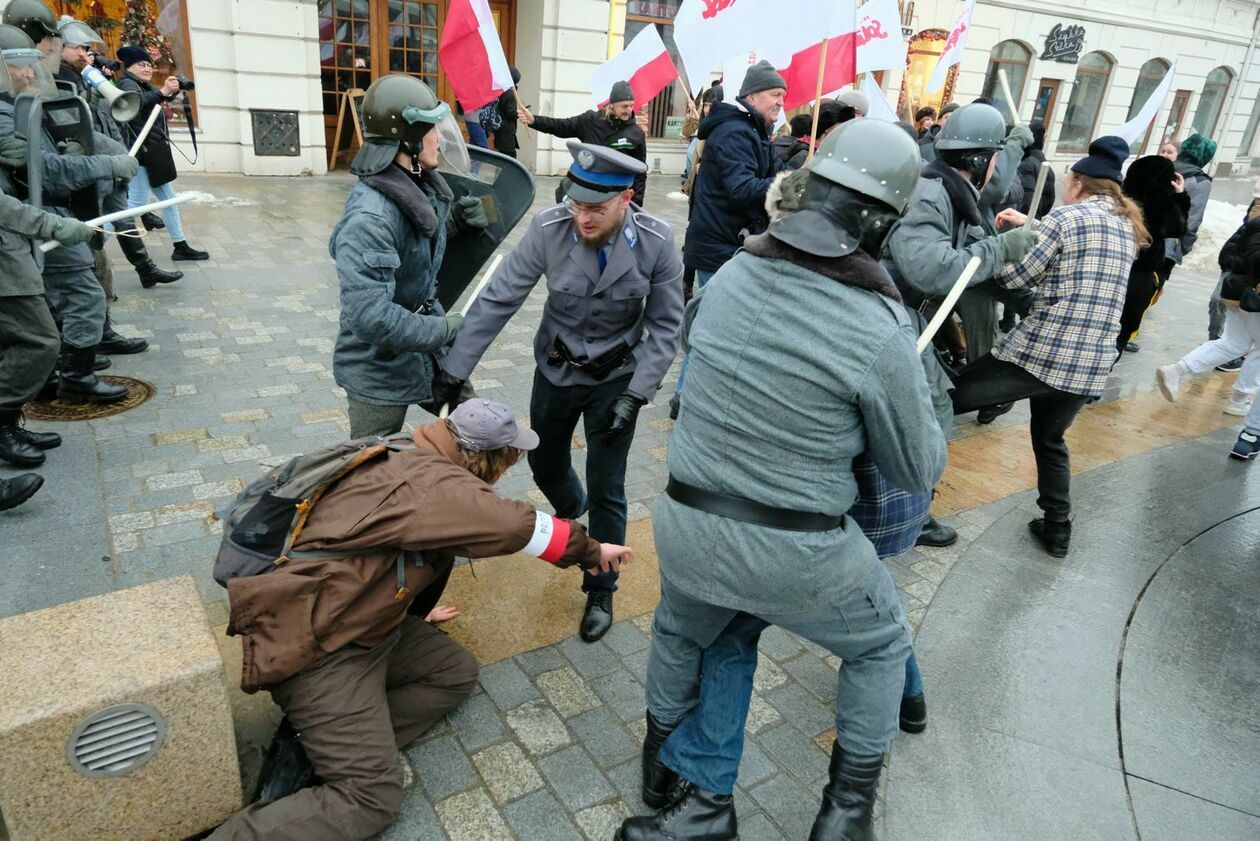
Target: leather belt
x=747, y=511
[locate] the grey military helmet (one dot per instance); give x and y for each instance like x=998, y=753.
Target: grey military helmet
x=975, y=126
x=401, y=107
x=32, y=17
x=873, y=157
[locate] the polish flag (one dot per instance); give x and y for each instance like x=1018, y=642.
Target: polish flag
x=955, y=43
x=801, y=74
x=644, y=63
x=472, y=54
x=880, y=45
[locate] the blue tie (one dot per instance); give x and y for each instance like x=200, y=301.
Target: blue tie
x=603, y=260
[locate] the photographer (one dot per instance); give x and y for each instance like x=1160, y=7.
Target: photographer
x=157, y=166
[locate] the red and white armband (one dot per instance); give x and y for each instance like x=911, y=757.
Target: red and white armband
x=551, y=536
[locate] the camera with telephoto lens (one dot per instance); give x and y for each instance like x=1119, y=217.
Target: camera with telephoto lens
x=185, y=84
x=104, y=62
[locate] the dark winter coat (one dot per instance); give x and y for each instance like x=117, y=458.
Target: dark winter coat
x=1165, y=211
x=155, y=155
x=736, y=170
x=1028, y=169
x=594, y=127
x=1240, y=261
x=505, y=142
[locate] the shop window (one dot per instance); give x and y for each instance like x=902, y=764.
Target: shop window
x=1085, y=103
x=668, y=109
x=1249, y=134
x=1013, y=57
x=921, y=57
x=345, y=49
x=1212, y=102
x=1149, y=77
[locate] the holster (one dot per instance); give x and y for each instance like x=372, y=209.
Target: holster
x=598, y=368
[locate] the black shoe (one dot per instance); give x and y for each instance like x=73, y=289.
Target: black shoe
x=113, y=342
x=101, y=363
x=1131, y=347
x=1232, y=365
x=40, y=440
x=657, y=778
x=913, y=714
x=991, y=413
x=14, y=446
x=1007, y=324
x=1053, y=535
x=286, y=768
x=936, y=535
x=15, y=491
x=598, y=616
x=184, y=251
x=848, y=799
x=675, y=404
x=152, y=221
x=151, y=275
x=694, y=815
x=79, y=384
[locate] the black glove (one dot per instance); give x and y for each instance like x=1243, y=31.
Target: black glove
x=625, y=411
x=471, y=212
x=447, y=390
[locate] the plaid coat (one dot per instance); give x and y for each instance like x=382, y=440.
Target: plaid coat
x=1079, y=272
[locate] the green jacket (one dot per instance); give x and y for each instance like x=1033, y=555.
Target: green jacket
x=19, y=224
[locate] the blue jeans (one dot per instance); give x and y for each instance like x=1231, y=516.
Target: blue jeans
x=553, y=414
x=138, y=194
x=702, y=279
x=477, y=135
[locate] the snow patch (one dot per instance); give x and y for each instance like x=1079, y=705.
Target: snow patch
x=1220, y=220
x=199, y=197
x=676, y=196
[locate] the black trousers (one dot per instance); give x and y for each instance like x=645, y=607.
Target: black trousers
x=989, y=382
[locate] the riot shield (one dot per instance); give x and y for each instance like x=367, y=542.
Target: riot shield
x=506, y=189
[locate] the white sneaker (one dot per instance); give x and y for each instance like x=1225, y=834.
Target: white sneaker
x=1169, y=379
x=1238, y=405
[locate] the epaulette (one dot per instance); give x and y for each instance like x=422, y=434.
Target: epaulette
x=649, y=223
x=559, y=213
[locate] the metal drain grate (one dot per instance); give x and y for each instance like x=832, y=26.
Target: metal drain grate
x=116, y=740
x=138, y=391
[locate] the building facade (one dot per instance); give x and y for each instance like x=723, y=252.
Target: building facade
x=275, y=78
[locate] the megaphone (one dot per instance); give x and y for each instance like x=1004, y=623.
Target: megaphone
x=123, y=105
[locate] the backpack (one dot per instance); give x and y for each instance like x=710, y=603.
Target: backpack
x=261, y=525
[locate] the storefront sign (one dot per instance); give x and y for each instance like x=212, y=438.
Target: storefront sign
x=673, y=127
x=1064, y=43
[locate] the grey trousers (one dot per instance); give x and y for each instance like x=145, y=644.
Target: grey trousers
x=367, y=419
x=78, y=304
x=1216, y=312
x=104, y=276
x=28, y=348
x=867, y=630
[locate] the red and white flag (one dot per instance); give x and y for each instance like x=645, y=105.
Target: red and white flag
x=955, y=42
x=801, y=73
x=472, y=54
x=879, y=42
x=644, y=63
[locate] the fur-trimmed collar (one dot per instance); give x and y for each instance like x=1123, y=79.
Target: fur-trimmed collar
x=961, y=194
x=407, y=191
x=858, y=269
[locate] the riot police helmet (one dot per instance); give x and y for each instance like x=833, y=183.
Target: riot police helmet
x=400, y=110
x=971, y=138
x=25, y=70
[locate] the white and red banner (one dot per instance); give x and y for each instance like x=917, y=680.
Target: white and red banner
x=839, y=58
x=880, y=109
x=644, y=63
x=1142, y=120
x=472, y=54
x=879, y=42
x=955, y=43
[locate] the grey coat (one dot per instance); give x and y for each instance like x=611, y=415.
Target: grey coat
x=636, y=300
x=781, y=397
x=63, y=174
x=19, y=225
x=1198, y=188
x=388, y=248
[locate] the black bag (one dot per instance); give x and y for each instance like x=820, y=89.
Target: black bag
x=156, y=158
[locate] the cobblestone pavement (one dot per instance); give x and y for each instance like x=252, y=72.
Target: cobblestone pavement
x=241, y=360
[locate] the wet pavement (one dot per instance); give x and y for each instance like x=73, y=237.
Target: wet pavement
x=1020, y=653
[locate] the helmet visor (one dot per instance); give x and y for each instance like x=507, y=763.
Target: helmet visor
x=452, y=150
x=25, y=71
x=78, y=34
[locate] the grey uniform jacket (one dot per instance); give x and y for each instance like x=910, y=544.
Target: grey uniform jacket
x=637, y=299
x=791, y=376
x=19, y=225
x=63, y=174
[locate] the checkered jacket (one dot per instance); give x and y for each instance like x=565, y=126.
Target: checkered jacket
x=890, y=518
x=1079, y=272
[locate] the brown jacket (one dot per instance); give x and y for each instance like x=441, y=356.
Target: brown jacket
x=420, y=502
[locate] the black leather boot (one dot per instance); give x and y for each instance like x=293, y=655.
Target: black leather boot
x=114, y=342
x=79, y=384
x=39, y=440
x=913, y=718
x=695, y=815
x=286, y=768
x=138, y=256
x=1053, y=535
x=936, y=535
x=848, y=799
x=152, y=221
x=989, y=414
x=15, y=491
x=101, y=363
x=184, y=251
x=658, y=779
x=14, y=446
x=598, y=616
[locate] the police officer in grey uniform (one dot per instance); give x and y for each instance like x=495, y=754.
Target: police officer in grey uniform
x=608, y=335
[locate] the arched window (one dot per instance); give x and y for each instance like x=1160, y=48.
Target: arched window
x=1088, y=89
x=1149, y=77
x=1212, y=102
x=921, y=57
x=1013, y=57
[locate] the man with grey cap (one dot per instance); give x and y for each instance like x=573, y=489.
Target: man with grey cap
x=607, y=337
x=363, y=675
x=820, y=370
x=613, y=126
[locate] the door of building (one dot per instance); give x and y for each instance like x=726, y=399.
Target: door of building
x=1043, y=105
x=1177, y=115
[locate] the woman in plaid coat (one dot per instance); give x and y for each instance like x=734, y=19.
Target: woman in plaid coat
x=1060, y=356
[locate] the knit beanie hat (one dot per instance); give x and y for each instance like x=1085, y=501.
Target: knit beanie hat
x=761, y=77
x=1039, y=135
x=1106, y=156
x=1198, y=149
x=949, y=108
x=621, y=92
x=132, y=55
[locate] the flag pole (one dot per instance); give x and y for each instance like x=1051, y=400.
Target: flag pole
x=818, y=92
